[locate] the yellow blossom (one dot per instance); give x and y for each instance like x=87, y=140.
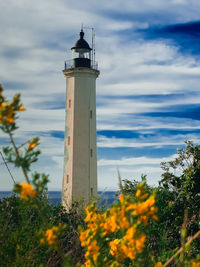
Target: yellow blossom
x=50, y=236
x=83, y=237
x=121, y=198
x=21, y=108
x=130, y=234
x=138, y=193
x=3, y=104
x=32, y=145
x=158, y=264
x=42, y=240
x=114, y=246
x=194, y=263
x=88, y=263
x=27, y=191
x=140, y=242
x=93, y=250
x=129, y=252
x=124, y=223
x=144, y=196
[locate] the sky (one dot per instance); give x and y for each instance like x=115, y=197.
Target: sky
x=148, y=97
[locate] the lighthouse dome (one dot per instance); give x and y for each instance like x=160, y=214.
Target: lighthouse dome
x=81, y=44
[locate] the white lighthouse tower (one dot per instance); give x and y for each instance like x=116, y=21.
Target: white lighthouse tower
x=80, y=156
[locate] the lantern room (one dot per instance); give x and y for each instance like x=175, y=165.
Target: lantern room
x=81, y=53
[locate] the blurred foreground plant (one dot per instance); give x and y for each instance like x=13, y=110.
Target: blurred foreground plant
x=117, y=236
x=32, y=208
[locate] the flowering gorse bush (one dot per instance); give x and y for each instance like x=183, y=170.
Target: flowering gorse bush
x=118, y=234
x=27, y=191
x=51, y=236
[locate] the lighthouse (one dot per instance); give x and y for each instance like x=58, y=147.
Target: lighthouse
x=80, y=153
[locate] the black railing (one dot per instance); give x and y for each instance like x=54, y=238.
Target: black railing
x=69, y=64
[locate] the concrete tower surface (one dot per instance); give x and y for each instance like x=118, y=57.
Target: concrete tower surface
x=80, y=156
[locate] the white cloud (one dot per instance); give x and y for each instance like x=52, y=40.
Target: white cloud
x=134, y=161
x=119, y=142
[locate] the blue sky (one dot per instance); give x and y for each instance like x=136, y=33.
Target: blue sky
x=148, y=97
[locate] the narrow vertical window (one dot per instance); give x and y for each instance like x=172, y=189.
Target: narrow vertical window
x=91, y=152
x=68, y=140
x=90, y=114
x=70, y=102
x=91, y=191
x=67, y=178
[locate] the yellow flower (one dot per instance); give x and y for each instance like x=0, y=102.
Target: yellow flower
x=114, y=246
x=86, y=237
x=130, y=235
x=110, y=222
x=93, y=250
x=32, y=145
x=121, y=198
x=88, y=263
x=9, y=120
x=50, y=236
x=158, y=264
x=129, y=252
x=194, y=263
x=10, y=112
x=144, y=196
x=140, y=242
x=3, y=104
x=42, y=240
x=21, y=108
x=124, y=223
x=138, y=193
x=145, y=210
x=27, y=191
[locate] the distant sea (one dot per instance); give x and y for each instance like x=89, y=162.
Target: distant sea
x=106, y=198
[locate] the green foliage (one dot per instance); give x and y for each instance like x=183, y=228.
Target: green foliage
x=178, y=191
x=23, y=159
x=184, y=187
x=21, y=225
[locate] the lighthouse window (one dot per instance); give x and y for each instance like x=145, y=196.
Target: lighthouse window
x=68, y=140
x=90, y=114
x=91, y=152
x=70, y=103
x=67, y=178
x=91, y=191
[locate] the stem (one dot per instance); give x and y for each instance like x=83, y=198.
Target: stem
x=23, y=144
x=7, y=167
x=17, y=153
x=181, y=249
x=183, y=236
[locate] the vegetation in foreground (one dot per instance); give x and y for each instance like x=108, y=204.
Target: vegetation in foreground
x=145, y=227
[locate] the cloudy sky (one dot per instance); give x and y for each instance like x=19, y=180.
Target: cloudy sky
x=148, y=97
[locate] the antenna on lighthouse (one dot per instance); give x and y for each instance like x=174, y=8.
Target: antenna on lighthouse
x=93, y=43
